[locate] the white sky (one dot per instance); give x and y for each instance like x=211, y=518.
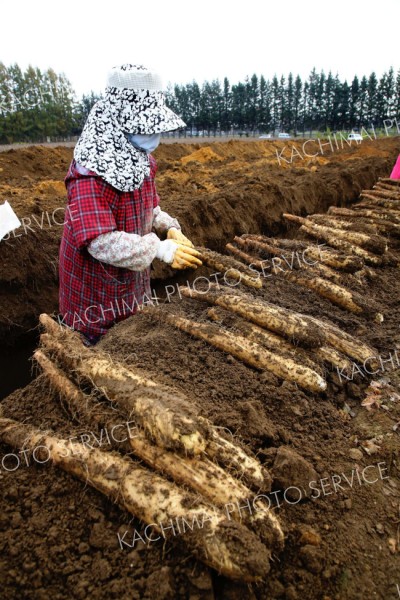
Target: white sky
x=200, y=40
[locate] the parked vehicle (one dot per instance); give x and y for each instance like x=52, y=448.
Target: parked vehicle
x=355, y=136
x=284, y=136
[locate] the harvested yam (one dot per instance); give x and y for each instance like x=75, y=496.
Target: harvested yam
x=225, y=545
x=281, y=320
x=333, y=240
x=337, y=223
x=249, y=468
x=373, y=200
x=166, y=416
x=373, y=243
x=384, y=186
x=289, y=260
x=254, y=310
x=261, y=336
x=282, y=258
x=346, y=343
x=380, y=212
x=262, y=246
x=369, y=205
x=83, y=408
x=87, y=410
x=303, y=252
x=337, y=294
x=375, y=213
x=201, y=475
x=393, y=182
x=333, y=357
x=376, y=193
x=247, y=258
x=100, y=364
x=281, y=243
x=246, y=468
x=323, y=271
x=198, y=473
x=249, y=352
x=280, y=261
x=278, y=344
x=333, y=258
x=370, y=219
x=230, y=267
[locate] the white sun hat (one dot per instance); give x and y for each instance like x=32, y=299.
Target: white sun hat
x=134, y=102
x=135, y=77
x=137, y=95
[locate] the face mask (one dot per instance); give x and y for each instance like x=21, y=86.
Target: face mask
x=144, y=142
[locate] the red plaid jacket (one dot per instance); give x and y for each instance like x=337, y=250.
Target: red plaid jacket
x=95, y=295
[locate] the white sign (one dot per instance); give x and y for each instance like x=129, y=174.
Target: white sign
x=8, y=220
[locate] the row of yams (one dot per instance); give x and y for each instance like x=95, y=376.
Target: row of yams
x=299, y=347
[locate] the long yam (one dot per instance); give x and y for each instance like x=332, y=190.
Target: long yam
x=337, y=294
x=245, y=467
x=341, y=244
x=167, y=418
x=227, y=546
x=200, y=474
x=250, y=353
x=394, y=182
x=230, y=267
x=247, y=258
x=373, y=200
x=280, y=320
x=276, y=343
x=344, y=342
x=376, y=193
x=371, y=243
x=285, y=244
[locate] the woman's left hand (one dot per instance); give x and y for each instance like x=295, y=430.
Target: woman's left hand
x=175, y=234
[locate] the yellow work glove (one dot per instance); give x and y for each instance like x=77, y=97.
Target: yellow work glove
x=177, y=235
x=178, y=255
x=186, y=257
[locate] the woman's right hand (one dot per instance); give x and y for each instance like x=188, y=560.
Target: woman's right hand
x=186, y=257
x=179, y=256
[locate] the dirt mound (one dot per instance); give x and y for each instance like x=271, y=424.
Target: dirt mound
x=203, y=155
x=34, y=163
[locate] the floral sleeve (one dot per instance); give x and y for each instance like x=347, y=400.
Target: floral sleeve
x=125, y=250
x=162, y=221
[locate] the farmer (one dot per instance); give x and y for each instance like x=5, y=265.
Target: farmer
x=108, y=243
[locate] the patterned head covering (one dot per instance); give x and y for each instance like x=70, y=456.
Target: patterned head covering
x=133, y=103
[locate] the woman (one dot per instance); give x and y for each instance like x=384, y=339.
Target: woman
x=108, y=242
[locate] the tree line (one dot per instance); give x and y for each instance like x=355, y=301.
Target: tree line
x=320, y=102
x=37, y=105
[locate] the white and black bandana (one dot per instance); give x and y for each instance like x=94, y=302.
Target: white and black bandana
x=103, y=146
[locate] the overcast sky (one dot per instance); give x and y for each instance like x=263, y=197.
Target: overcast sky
x=200, y=40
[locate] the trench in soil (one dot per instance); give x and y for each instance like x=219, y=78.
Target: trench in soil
x=16, y=365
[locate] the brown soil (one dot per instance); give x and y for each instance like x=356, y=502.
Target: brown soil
x=59, y=537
